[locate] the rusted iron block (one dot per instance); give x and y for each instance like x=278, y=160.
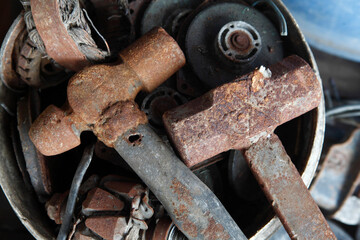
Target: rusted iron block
x=285, y=190
x=151, y=60
x=162, y=229
x=235, y=115
x=108, y=227
x=101, y=97
x=240, y=115
x=100, y=200
x=193, y=207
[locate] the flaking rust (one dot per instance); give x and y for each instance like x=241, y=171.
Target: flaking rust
x=211, y=229
x=101, y=97
x=285, y=190
x=237, y=114
x=95, y=103
x=243, y=115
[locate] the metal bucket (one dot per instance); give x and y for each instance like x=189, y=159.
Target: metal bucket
x=32, y=214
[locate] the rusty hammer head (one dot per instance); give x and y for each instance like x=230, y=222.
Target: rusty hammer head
x=237, y=114
x=99, y=92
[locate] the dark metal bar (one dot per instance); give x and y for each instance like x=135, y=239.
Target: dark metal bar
x=75, y=186
x=192, y=206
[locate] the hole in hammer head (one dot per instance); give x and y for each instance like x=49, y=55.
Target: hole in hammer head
x=135, y=139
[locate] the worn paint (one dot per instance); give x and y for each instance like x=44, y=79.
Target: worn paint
x=107, y=227
x=210, y=229
x=285, y=190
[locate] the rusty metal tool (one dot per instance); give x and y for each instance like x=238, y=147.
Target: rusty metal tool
x=240, y=115
x=101, y=99
x=285, y=190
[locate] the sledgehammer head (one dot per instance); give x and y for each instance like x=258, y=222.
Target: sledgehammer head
x=237, y=114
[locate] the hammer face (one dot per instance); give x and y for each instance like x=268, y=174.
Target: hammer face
x=58, y=129
x=237, y=114
x=101, y=90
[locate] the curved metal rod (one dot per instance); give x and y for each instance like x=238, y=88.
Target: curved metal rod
x=283, y=24
x=75, y=185
x=342, y=109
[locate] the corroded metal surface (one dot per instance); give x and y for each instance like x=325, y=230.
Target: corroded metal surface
x=100, y=200
x=101, y=97
x=237, y=114
x=36, y=163
x=192, y=206
x=59, y=44
x=286, y=191
x=107, y=227
x=10, y=50
x=154, y=58
x=24, y=205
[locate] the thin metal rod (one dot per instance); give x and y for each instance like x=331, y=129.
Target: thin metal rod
x=74, y=190
x=343, y=109
x=283, y=23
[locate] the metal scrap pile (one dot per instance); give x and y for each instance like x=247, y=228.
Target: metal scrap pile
x=171, y=120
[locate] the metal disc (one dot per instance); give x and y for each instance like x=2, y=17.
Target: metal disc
x=201, y=37
x=160, y=13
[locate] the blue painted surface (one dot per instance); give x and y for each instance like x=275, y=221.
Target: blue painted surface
x=332, y=26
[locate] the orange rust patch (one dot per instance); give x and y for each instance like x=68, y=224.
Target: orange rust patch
x=116, y=120
x=182, y=192
x=190, y=228
x=257, y=81
x=214, y=229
